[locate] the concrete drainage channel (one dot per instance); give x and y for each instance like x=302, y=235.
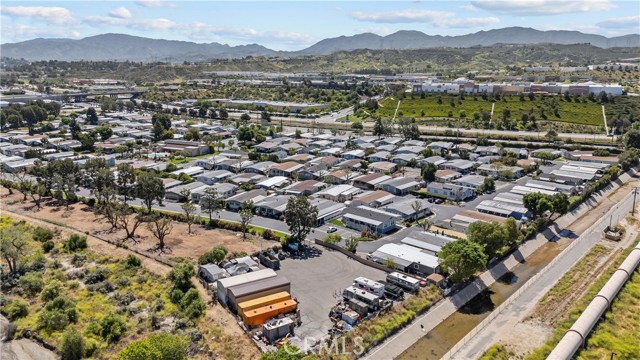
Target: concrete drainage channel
x=447, y=338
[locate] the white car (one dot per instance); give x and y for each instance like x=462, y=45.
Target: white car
x=331, y=229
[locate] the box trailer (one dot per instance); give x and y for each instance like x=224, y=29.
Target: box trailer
x=263, y=301
x=371, y=286
x=373, y=301
x=261, y=315
x=256, y=289
x=223, y=285
x=359, y=307
x=404, y=281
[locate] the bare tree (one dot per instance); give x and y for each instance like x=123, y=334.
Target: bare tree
x=37, y=192
x=129, y=220
x=189, y=213
x=246, y=214
x=160, y=227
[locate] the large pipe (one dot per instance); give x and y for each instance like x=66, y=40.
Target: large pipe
x=576, y=336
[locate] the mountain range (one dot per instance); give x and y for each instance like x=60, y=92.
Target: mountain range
x=121, y=47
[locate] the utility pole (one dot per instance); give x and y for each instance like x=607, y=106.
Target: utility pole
x=633, y=208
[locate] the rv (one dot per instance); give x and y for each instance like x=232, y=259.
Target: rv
x=406, y=282
x=369, y=285
x=373, y=301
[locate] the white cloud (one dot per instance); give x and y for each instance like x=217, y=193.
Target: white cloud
x=542, y=7
x=469, y=7
x=154, y=3
x=402, y=16
x=138, y=24
x=21, y=32
x=120, y=13
x=206, y=32
x=467, y=23
x=441, y=19
x=631, y=22
x=51, y=15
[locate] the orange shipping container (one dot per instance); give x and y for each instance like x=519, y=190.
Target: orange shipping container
x=263, y=301
x=260, y=315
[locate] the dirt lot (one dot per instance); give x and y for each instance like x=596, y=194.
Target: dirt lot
x=221, y=332
x=180, y=243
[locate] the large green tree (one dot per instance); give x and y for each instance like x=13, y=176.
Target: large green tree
x=301, y=216
x=490, y=235
x=462, y=259
x=149, y=188
x=429, y=172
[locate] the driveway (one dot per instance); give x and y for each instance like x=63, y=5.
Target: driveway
x=317, y=283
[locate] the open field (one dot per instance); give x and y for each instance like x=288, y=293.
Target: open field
x=180, y=242
x=223, y=338
x=446, y=105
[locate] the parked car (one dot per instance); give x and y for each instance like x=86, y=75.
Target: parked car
x=331, y=229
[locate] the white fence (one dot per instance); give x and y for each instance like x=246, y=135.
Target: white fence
x=486, y=321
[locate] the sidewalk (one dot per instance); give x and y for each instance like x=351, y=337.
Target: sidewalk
x=446, y=307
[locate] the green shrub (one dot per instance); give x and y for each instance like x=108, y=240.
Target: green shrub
x=133, y=261
x=156, y=346
x=41, y=234
x=57, y=314
x=333, y=238
x=191, y=304
x=51, y=291
x=16, y=309
x=176, y=296
x=75, y=242
x=32, y=283
x=112, y=327
x=181, y=276
x=48, y=246
x=214, y=256
x=73, y=347
x=100, y=274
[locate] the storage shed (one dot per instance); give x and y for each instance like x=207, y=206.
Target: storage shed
x=224, y=284
x=256, y=289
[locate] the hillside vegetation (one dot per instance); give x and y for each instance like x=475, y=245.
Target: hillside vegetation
x=63, y=293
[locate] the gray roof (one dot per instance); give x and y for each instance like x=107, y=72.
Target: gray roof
x=368, y=215
x=255, y=195
x=405, y=205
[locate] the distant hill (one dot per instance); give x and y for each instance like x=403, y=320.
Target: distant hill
x=513, y=35
x=120, y=47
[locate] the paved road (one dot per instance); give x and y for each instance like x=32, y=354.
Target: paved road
x=445, y=308
x=260, y=221
x=521, y=306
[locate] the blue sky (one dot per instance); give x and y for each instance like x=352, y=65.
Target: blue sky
x=293, y=25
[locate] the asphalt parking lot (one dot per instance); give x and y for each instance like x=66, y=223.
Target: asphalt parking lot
x=317, y=282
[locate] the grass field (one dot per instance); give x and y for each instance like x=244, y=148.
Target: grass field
x=445, y=105
x=617, y=333
x=620, y=330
